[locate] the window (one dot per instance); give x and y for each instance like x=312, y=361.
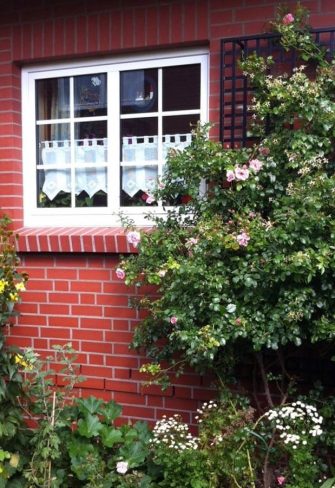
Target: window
x=96, y=136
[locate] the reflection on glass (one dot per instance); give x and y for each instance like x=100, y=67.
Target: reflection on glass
x=177, y=132
x=54, y=188
x=53, y=145
x=52, y=98
x=90, y=95
x=138, y=184
x=181, y=87
x=138, y=91
x=139, y=139
x=91, y=142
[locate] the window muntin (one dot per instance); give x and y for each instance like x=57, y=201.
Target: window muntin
x=102, y=134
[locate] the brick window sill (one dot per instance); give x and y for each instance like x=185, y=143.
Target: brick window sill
x=73, y=240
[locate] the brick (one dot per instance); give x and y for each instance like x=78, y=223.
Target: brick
x=134, y=412
x=86, y=310
x=58, y=333
x=121, y=386
x=96, y=323
x=88, y=335
x=63, y=298
x=88, y=370
x=51, y=309
x=54, y=321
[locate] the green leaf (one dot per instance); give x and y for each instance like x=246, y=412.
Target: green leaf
x=90, y=404
x=90, y=426
x=110, y=436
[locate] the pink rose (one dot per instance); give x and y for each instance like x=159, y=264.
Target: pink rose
x=243, y=239
x=288, y=19
x=238, y=321
x=173, y=320
x=230, y=175
x=255, y=164
x=192, y=241
x=120, y=273
x=134, y=238
x=150, y=199
x=241, y=173
x=265, y=151
x=281, y=480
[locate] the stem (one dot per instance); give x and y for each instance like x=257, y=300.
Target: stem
x=52, y=424
x=259, y=357
x=266, y=474
x=251, y=470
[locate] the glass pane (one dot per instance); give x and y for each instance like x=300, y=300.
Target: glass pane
x=91, y=142
x=177, y=131
x=52, y=99
x=91, y=187
x=54, y=188
x=90, y=95
x=138, y=91
x=181, y=87
x=139, y=139
x=53, y=145
x=137, y=185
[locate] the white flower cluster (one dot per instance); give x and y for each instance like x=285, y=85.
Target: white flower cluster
x=173, y=433
x=205, y=409
x=290, y=417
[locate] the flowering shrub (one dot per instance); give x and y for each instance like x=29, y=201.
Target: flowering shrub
x=247, y=265
x=245, y=268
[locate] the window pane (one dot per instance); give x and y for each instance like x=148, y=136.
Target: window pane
x=91, y=187
x=53, y=144
x=177, y=131
x=138, y=91
x=54, y=188
x=90, y=95
x=137, y=183
x=181, y=87
x=91, y=142
x=139, y=139
x=52, y=98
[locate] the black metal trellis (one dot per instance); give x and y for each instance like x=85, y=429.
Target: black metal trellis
x=235, y=89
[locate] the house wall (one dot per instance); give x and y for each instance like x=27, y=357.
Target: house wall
x=73, y=293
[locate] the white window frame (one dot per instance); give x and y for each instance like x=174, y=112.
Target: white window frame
x=97, y=216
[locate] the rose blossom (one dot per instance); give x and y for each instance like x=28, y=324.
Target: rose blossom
x=230, y=175
x=162, y=273
x=120, y=273
x=150, y=199
x=241, y=173
x=134, y=238
x=192, y=241
x=243, y=239
x=265, y=151
x=122, y=467
x=173, y=320
x=281, y=480
x=255, y=164
x=288, y=19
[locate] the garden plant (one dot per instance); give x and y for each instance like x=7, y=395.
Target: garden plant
x=244, y=271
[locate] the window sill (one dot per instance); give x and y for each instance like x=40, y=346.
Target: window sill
x=73, y=240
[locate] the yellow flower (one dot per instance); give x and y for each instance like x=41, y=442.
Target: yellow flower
x=14, y=297
x=18, y=358
x=20, y=286
x=3, y=285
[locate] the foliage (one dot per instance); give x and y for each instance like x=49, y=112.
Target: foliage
x=12, y=428
x=246, y=267
x=12, y=282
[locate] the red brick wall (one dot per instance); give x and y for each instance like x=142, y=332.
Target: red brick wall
x=75, y=296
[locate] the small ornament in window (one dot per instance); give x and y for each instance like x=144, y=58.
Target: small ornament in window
x=95, y=80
